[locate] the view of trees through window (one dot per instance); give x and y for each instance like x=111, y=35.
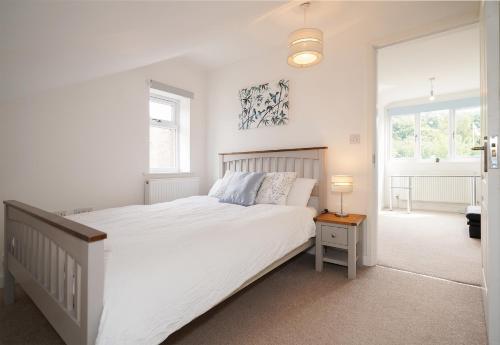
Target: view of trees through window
x=434, y=134
x=403, y=136
x=440, y=134
x=467, y=132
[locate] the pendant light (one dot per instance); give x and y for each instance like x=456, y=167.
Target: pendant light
x=431, y=96
x=305, y=45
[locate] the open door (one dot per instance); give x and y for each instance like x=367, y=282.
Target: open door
x=490, y=176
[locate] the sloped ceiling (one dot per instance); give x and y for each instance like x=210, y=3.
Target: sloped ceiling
x=46, y=45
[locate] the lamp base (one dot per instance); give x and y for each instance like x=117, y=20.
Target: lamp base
x=341, y=214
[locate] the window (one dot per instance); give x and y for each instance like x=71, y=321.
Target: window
x=168, y=131
x=434, y=134
x=467, y=132
x=403, y=136
x=447, y=134
x=163, y=134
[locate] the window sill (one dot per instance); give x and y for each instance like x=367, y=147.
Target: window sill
x=150, y=176
x=431, y=161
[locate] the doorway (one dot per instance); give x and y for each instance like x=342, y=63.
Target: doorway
x=428, y=119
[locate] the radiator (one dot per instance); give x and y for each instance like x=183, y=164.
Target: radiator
x=168, y=189
x=441, y=189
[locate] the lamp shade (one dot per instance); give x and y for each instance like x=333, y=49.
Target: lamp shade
x=305, y=47
x=342, y=183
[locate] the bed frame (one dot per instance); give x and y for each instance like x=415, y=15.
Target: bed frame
x=60, y=263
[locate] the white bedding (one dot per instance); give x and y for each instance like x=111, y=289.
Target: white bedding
x=169, y=263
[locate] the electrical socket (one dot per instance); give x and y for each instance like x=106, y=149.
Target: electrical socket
x=354, y=139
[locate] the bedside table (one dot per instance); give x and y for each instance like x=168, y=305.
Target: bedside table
x=337, y=239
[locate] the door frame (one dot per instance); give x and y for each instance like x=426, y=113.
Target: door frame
x=490, y=200
x=370, y=257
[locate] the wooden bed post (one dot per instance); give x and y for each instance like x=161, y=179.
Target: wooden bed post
x=95, y=290
x=221, y=166
x=323, y=181
x=9, y=283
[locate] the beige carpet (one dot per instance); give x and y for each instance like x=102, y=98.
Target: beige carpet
x=296, y=305
x=432, y=243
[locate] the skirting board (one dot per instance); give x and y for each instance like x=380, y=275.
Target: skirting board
x=368, y=261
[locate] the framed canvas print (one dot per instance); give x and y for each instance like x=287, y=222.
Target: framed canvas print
x=264, y=105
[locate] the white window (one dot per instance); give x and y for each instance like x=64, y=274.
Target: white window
x=467, y=132
x=435, y=134
x=163, y=134
x=168, y=132
x=447, y=134
x=403, y=136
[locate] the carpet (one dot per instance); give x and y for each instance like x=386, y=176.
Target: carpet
x=297, y=305
x=431, y=243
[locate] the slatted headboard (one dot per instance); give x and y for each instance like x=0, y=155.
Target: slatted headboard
x=308, y=162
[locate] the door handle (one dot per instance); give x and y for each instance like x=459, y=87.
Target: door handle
x=483, y=148
x=485, y=153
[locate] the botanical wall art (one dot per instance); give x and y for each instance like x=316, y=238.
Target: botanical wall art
x=264, y=105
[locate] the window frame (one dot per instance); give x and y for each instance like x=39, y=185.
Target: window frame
x=460, y=158
x=417, y=147
x=452, y=156
x=174, y=124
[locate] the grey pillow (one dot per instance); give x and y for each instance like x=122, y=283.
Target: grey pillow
x=242, y=189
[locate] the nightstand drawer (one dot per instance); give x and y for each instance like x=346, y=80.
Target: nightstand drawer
x=334, y=235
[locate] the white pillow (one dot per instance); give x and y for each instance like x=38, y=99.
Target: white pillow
x=223, y=184
x=215, y=187
x=275, y=188
x=301, y=192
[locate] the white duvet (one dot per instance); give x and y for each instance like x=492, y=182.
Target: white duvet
x=169, y=263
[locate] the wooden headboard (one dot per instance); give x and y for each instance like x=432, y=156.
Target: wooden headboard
x=308, y=162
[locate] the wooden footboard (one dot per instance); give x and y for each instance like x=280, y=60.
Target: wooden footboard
x=60, y=265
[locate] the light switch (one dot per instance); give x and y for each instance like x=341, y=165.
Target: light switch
x=354, y=139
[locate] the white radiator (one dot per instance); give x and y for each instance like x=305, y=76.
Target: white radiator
x=168, y=189
x=441, y=189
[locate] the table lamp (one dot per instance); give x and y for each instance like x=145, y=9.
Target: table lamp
x=341, y=184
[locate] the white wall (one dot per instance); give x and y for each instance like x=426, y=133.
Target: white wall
x=86, y=145
x=319, y=115
x=328, y=102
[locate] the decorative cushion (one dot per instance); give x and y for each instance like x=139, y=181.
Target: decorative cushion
x=275, y=188
x=215, y=187
x=242, y=188
x=223, y=184
x=300, y=192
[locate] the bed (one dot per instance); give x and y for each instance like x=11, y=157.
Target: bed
x=80, y=270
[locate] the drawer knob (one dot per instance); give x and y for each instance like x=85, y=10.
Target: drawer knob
x=333, y=236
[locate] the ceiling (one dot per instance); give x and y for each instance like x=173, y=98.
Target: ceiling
x=451, y=57
x=46, y=45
